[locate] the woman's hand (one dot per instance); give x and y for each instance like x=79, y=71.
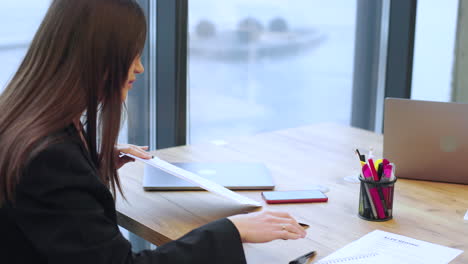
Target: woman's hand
x=266, y=226
x=138, y=151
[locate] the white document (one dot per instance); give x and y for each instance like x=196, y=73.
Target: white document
x=466, y=216
x=388, y=248
x=195, y=179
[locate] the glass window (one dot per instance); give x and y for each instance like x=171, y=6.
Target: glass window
x=434, y=49
x=19, y=21
x=136, y=126
x=262, y=65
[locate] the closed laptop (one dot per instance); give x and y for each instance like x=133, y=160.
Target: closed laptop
x=232, y=175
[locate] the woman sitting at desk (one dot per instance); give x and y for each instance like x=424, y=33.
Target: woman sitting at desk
x=58, y=181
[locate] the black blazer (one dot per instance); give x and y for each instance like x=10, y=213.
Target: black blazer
x=64, y=214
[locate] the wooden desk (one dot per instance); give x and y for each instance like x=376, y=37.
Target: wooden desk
x=298, y=158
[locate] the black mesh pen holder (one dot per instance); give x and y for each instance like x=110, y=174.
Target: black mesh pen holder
x=376, y=199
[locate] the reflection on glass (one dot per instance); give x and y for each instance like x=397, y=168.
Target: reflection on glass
x=263, y=65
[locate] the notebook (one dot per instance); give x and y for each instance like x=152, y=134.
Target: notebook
x=232, y=175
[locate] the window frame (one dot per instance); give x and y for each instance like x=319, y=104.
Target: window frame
x=386, y=28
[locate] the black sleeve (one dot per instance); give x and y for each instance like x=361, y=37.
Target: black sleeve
x=216, y=242
x=68, y=216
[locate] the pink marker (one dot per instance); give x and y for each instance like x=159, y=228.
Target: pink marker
x=376, y=204
x=385, y=162
x=368, y=176
x=387, y=172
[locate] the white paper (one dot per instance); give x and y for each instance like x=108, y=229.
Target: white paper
x=466, y=216
x=195, y=179
x=387, y=248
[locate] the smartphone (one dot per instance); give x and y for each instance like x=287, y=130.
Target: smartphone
x=306, y=196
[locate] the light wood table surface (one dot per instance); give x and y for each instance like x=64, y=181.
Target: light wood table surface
x=298, y=159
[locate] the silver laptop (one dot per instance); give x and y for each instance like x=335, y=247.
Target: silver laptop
x=427, y=140
x=235, y=176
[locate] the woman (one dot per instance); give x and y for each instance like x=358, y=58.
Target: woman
x=58, y=180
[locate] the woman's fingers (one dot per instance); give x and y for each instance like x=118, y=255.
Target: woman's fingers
x=287, y=235
x=285, y=218
x=142, y=152
x=281, y=214
x=265, y=226
x=293, y=229
x=126, y=159
x=138, y=151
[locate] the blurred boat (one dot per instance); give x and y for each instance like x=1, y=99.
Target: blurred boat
x=250, y=41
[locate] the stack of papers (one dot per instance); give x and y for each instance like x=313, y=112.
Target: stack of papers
x=198, y=180
x=387, y=248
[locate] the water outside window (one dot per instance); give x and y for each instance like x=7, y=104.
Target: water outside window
x=263, y=65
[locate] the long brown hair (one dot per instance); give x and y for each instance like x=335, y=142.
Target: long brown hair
x=77, y=63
